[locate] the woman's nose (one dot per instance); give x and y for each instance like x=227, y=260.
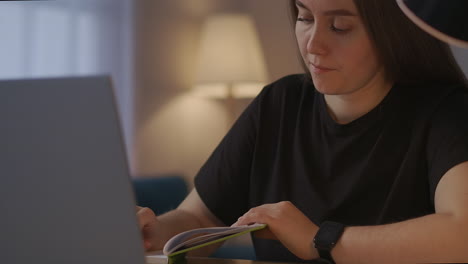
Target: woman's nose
x=316, y=43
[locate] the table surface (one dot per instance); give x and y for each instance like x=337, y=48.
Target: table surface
x=224, y=261
x=197, y=260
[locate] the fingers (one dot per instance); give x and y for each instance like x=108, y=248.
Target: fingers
x=146, y=221
x=264, y=214
x=247, y=217
x=147, y=236
x=245, y=220
x=145, y=216
x=258, y=215
x=146, y=232
x=286, y=223
x=270, y=214
x=147, y=244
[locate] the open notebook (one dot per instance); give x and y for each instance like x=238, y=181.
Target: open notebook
x=175, y=249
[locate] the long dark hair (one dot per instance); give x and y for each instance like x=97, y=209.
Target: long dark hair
x=409, y=54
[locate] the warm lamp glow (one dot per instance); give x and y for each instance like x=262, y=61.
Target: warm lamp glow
x=230, y=60
x=223, y=90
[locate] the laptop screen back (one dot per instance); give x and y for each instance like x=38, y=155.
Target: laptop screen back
x=65, y=191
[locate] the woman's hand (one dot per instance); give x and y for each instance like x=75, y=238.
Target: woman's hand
x=148, y=225
x=285, y=223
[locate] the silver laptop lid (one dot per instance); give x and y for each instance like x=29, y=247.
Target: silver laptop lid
x=65, y=192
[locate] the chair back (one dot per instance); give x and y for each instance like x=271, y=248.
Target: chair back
x=160, y=194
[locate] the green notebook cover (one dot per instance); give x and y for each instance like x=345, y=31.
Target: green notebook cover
x=178, y=256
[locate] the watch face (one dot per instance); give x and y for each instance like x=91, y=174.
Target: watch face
x=328, y=234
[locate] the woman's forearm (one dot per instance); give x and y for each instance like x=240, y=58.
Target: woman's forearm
x=436, y=238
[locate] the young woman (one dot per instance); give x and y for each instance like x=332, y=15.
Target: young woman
x=367, y=152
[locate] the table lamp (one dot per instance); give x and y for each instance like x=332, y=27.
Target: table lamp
x=230, y=60
x=446, y=20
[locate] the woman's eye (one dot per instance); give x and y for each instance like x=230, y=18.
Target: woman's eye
x=338, y=30
x=305, y=20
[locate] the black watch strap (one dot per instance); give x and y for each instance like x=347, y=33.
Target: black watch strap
x=326, y=238
x=326, y=256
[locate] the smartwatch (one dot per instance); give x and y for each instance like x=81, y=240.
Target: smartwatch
x=326, y=238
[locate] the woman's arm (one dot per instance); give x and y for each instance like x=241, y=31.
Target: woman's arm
x=435, y=238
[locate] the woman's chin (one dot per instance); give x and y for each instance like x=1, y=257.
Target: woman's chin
x=327, y=89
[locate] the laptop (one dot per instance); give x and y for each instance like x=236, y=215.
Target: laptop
x=65, y=190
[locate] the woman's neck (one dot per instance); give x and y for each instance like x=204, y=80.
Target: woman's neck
x=345, y=108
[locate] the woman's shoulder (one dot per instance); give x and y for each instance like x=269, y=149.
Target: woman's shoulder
x=444, y=96
x=444, y=105
x=452, y=105
x=431, y=96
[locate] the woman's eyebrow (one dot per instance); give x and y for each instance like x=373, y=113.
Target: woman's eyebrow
x=301, y=5
x=339, y=12
x=333, y=12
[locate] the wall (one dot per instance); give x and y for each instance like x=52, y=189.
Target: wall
x=174, y=131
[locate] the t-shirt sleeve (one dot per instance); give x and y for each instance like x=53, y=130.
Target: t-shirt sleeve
x=448, y=137
x=223, y=181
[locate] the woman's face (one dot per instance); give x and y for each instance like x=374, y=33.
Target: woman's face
x=336, y=47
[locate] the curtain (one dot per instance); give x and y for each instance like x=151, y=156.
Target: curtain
x=71, y=38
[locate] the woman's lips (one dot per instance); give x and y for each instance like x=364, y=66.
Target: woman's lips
x=319, y=68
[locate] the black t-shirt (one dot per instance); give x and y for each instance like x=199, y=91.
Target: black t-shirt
x=383, y=167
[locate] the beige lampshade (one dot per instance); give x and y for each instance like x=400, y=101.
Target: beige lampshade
x=230, y=58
